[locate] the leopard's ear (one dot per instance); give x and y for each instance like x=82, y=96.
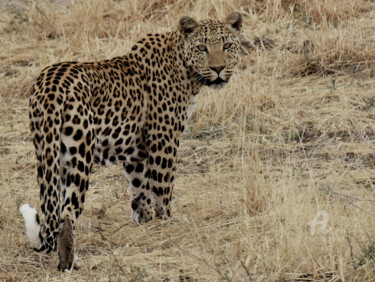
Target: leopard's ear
x=188, y=25
x=234, y=22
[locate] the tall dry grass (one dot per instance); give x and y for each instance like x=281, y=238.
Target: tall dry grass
x=289, y=139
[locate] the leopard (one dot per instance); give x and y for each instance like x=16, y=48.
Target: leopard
x=129, y=110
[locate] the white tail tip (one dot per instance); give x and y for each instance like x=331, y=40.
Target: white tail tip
x=32, y=225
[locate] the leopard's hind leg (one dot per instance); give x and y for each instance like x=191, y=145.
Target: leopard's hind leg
x=77, y=147
x=62, y=129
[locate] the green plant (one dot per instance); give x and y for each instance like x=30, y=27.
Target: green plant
x=368, y=255
x=18, y=14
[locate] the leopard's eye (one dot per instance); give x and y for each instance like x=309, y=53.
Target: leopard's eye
x=227, y=45
x=202, y=48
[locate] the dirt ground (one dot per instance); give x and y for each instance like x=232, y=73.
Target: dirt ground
x=275, y=177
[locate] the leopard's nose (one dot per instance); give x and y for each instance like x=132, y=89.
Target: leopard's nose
x=217, y=69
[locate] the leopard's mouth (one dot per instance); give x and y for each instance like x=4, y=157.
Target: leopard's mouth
x=218, y=83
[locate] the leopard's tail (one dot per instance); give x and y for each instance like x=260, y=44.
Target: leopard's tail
x=32, y=224
x=30, y=214
x=45, y=126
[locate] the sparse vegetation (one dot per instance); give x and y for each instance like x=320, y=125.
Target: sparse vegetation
x=291, y=136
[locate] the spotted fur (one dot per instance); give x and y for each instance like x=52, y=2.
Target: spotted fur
x=130, y=110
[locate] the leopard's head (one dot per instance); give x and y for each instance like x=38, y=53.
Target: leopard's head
x=212, y=48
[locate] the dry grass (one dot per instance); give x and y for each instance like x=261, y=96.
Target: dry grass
x=291, y=136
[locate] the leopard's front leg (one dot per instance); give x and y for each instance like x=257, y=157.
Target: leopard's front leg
x=136, y=173
x=161, y=169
